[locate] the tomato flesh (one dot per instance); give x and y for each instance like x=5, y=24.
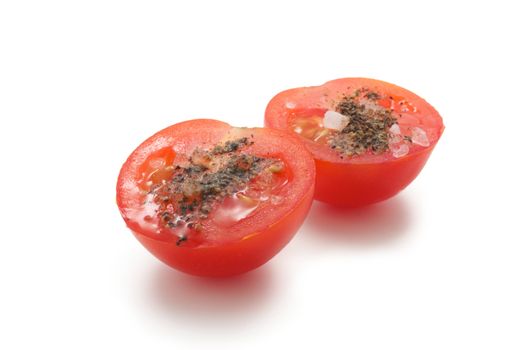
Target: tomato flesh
x=364, y=177
x=267, y=189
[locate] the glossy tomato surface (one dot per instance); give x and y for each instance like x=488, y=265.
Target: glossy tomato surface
x=365, y=178
x=240, y=227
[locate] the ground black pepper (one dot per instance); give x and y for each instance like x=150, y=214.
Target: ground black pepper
x=368, y=127
x=208, y=177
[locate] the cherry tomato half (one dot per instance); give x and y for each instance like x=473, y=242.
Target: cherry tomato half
x=210, y=199
x=379, y=136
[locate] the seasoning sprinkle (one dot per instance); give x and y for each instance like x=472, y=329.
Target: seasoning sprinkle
x=368, y=126
x=209, y=176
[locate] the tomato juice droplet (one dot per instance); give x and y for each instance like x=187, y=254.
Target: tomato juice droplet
x=145, y=214
x=235, y=208
x=309, y=127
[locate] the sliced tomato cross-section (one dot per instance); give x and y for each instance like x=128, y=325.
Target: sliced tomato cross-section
x=214, y=200
x=369, y=138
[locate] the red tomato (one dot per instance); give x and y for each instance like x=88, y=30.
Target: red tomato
x=356, y=166
x=213, y=200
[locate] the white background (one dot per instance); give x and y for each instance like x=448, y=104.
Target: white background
x=82, y=83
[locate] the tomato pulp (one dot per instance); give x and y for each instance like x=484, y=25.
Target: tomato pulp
x=214, y=200
x=369, y=138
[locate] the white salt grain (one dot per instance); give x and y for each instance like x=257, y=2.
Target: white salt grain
x=400, y=150
x=394, y=139
x=334, y=120
x=419, y=137
x=394, y=134
x=394, y=129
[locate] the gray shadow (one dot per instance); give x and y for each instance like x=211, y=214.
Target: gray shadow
x=373, y=225
x=210, y=301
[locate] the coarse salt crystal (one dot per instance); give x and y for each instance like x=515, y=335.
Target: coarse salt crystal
x=394, y=139
x=400, y=150
x=394, y=135
x=334, y=120
x=419, y=137
x=394, y=129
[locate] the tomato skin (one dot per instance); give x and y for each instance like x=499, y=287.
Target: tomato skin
x=262, y=238
x=355, y=185
x=235, y=258
x=355, y=182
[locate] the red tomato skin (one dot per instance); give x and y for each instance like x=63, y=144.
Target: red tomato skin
x=226, y=259
x=234, y=258
x=346, y=183
x=355, y=185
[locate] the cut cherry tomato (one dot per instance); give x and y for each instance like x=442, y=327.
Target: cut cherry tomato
x=213, y=200
x=369, y=138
